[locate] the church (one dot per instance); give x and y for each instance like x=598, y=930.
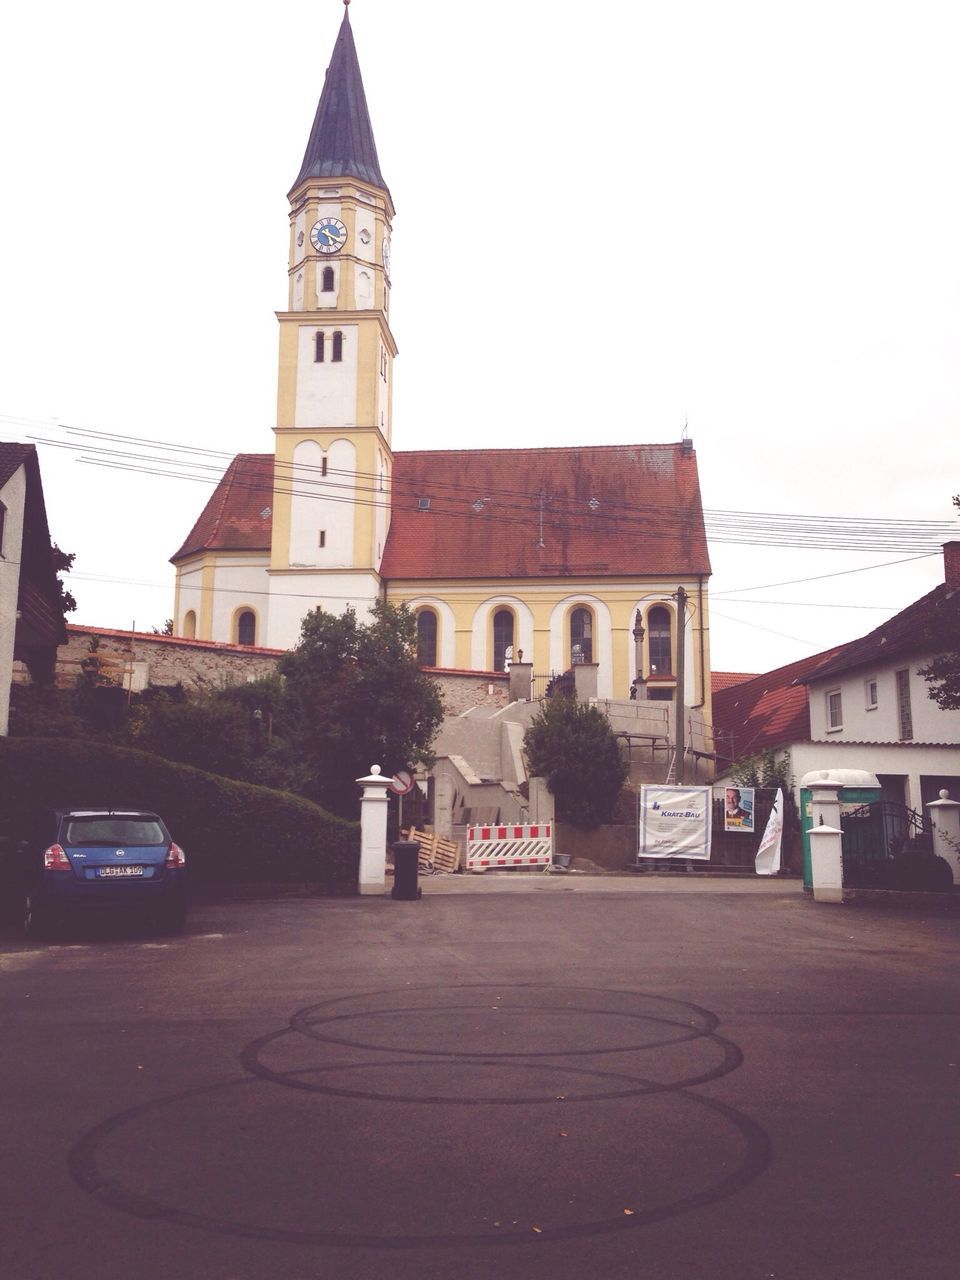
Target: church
x=555, y=557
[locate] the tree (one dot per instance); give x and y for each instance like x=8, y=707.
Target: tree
x=572, y=746
x=353, y=696
x=63, y=563
x=943, y=673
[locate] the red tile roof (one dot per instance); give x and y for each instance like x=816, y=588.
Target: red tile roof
x=929, y=625
x=727, y=679
x=238, y=515
x=769, y=710
x=592, y=512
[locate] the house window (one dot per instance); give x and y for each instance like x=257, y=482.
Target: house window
x=502, y=638
x=318, y=352
x=427, y=638
x=660, y=641
x=904, y=710
x=834, y=710
x=322, y=538
x=190, y=625
x=337, y=347
x=327, y=285
x=247, y=627
x=870, y=699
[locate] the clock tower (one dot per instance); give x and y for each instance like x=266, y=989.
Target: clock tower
x=333, y=460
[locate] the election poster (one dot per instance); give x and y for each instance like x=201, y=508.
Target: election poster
x=738, y=809
x=675, y=822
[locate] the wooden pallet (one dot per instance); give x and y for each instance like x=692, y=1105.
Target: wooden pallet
x=436, y=854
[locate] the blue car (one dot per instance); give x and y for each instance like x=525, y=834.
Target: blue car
x=84, y=859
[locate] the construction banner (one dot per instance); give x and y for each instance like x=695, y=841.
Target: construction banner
x=675, y=822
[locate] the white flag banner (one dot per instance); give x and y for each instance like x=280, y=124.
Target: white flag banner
x=767, y=860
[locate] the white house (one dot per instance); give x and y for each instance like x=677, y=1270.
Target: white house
x=31, y=621
x=862, y=705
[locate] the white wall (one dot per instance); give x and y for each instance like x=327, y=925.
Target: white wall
x=911, y=762
x=13, y=497
x=239, y=583
x=293, y=595
x=327, y=391
x=323, y=503
x=930, y=722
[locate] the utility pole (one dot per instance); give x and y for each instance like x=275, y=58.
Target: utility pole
x=680, y=709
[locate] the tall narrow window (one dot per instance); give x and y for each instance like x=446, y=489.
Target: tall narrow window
x=427, y=638
x=318, y=352
x=3, y=517
x=834, y=709
x=247, y=627
x=661, y=642
x=327, y=283
x=502, y=638
x=190, y=625
x=337, y=346
x=581, y=636
x=904, y=710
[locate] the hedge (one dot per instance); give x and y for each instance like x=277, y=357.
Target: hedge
x=232, y=832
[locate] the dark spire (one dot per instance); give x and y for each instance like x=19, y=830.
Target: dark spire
x=341, y=141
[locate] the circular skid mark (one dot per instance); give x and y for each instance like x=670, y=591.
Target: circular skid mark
x=630, y=1086
x=84, y=1165
x=494, y=1018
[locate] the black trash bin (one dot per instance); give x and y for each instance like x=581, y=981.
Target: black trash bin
x=406, y=854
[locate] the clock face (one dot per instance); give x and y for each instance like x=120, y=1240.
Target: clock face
x=386, y=255
x=329, y=235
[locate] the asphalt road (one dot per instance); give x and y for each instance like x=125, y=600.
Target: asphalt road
x=580, y=1080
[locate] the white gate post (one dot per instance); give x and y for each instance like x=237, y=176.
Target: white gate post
x=945, y=819
x=373, y=831
x=826, y=863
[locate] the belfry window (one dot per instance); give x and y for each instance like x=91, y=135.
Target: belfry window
x=658, y=627
x=502, y=639
x=581, y=636
x=337, y=346
x=247, y=627
x=327, y=283
x=318, y=353
x=427, y=638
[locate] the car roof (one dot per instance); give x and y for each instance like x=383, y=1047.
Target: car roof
x=104, y=812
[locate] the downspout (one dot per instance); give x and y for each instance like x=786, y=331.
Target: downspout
x=703, y=657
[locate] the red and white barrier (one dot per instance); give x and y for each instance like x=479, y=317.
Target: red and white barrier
x=509, y=846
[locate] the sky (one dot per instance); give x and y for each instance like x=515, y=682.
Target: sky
x=614, y=222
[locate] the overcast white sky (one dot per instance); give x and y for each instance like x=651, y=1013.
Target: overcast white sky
x=742, y=215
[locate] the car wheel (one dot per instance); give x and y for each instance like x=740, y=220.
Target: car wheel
x=36, y=916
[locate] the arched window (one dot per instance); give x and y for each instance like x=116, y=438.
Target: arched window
x=337, y=346
x=427, y=638
x=190, y=625
x=581, y=636
x=658, y=629
x=502, y=638
x=327, y=285
x=247, y=627
x=318, y=353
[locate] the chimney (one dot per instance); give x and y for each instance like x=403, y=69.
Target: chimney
x=951, y=565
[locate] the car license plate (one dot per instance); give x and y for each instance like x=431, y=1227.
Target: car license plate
x=118, y=872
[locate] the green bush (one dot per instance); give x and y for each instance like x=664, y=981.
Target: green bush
x=232, y=832
x=572, y=745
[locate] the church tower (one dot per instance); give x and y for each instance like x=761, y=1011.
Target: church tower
x=333, y=460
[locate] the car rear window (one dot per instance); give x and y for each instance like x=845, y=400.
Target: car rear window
x=113, y=830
